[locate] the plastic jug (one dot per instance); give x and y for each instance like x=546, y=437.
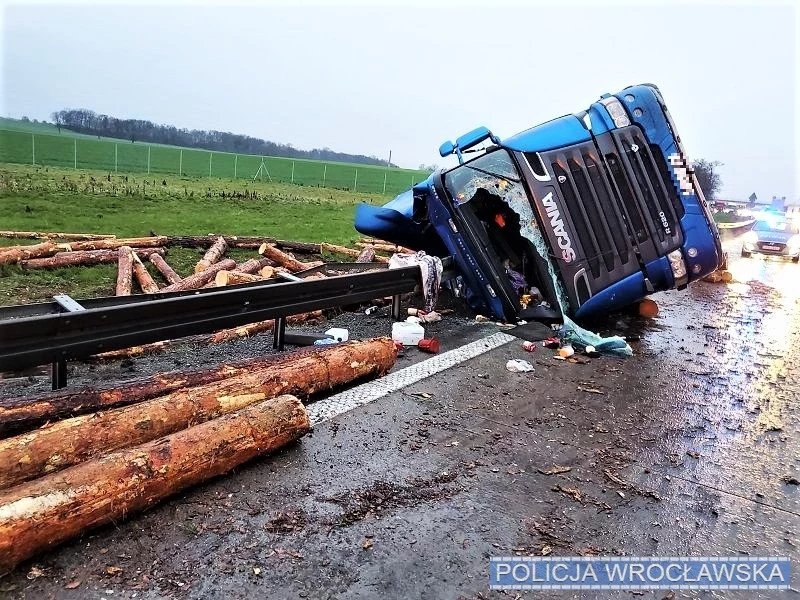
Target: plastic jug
x=407, y=333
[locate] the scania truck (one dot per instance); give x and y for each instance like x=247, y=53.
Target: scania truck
x=584, y=214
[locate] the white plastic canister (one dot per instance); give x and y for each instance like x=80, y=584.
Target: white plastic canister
x=407, y=333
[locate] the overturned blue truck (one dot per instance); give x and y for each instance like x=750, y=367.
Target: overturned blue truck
x=582, y=215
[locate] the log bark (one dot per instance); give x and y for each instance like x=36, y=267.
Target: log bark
x=270, y=272
x=143, y=350
x=366, y=255
x=281, y=258
x=71, y=441
x=212, y=255
x=124, y=271
x=14, y=254
x=254, y=265
x=234, y=241
x=224, y=278
x=261, y=326
x=146, y=282
x=387, y=248
x=36, y=235
x=339, y=249
x=46, y=512
x=26, y=412
x=200, y=279
x=83, y=258
x=113, y=243
x=169, y=274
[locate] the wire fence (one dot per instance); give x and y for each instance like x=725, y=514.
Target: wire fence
x=132, y=157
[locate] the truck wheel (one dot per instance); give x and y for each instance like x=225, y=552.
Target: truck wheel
x=796, y=259
x=745, y=253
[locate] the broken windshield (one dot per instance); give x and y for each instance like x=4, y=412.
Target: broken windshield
x=494, y=171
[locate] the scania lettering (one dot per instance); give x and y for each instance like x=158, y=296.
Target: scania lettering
x=583, y=214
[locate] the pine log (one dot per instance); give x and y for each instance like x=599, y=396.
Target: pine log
x=339, y=249
x=224, y=278
x=270, y=272
x=261, y=326
x=68, y=442
x=254, y=265
x=14, y=254
x=124, y=271
x=143, y=350
x=113, y=244
x=281, y=258
x=169, y=274
x=83, y=258
x=203, y=277
x=43, y=513
x=142, y=276
x=387, y=248
x=36, y=235
x=26, y=412
x=234, y=241
x=366, y=255
x=212, y=255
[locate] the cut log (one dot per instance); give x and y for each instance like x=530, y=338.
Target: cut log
x=142, y=276
x=113, y=244
x=143, y=350
x=124, y=271
x=233, y=241
x=281, y=258
x=212, y=255
x=25, y=413
x=14, y=254
x=83, y=258
x=68, y=442
x=387, y=248
x=254, y=328
x=163, y=268
x=224, y=278
x=270, y=272
x=46, y=512
x=366, y=255
x=36, y=235
x=254, y=265
x=200, y=279
x=339, y=250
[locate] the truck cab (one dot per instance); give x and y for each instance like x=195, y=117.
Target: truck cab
x=584, y=214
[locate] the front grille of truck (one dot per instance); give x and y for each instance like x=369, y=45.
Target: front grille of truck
x=649, y=193
x=588, y=197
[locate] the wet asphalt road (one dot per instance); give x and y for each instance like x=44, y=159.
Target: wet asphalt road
x=687, y=448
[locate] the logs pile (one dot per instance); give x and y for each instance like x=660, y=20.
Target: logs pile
x=154, y=437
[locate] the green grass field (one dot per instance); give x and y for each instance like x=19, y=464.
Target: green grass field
x=41, y=144
x=57, y=199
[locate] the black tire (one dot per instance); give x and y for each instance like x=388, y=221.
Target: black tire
x=745, y=253
x=796, y=259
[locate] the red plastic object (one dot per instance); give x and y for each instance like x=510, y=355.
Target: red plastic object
x=430, y=345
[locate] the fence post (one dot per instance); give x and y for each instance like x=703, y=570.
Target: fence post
x=355, y=183
x=210, y=158
x=235, y=164
x=75, y=153
x=384, y=182
x=116, y=162
x=148, y=160
x=180, y=164
x=292, y=171
x=33, y=149
x=324, y=174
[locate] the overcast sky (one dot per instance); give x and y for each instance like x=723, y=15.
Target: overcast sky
x=369, y=79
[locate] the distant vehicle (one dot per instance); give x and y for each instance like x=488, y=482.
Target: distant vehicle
x=588, y=213
x=774, y=237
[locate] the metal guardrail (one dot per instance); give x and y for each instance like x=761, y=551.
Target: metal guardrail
x=41, y=333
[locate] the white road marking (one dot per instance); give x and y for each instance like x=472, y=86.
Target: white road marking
x=335, y=405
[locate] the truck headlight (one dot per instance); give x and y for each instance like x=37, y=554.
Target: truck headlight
x=617, y=112
x=678, y=266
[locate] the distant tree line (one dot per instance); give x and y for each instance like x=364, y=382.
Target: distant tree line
x=136, y=130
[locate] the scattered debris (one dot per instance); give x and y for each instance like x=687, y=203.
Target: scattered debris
x=555, y=470
x=519, y=366
x=790, y=480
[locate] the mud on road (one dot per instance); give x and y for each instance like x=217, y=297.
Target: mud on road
x=690, y=447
